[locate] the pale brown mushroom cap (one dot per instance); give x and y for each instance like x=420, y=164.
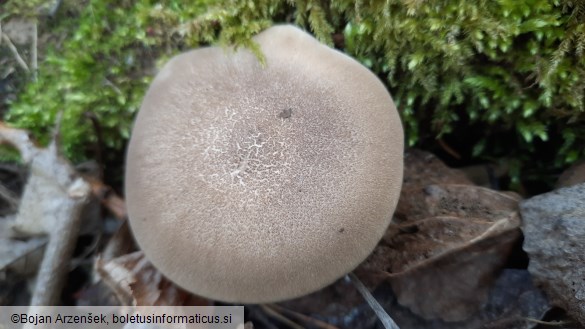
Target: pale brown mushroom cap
x=255, y=184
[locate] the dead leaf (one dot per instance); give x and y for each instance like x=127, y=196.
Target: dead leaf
x=449, y=242
x=422, y=168
x=453, y=285
x=108, y=198
x=137, y=282
x=408, y=245
x=121, y=243
x=455, y=200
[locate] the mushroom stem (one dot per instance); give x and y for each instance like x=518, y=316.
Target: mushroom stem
x=378, y=309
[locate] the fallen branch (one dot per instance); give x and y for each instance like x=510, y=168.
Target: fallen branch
x=14, y=51
x=51, y=204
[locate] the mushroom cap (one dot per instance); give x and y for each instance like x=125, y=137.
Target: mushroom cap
x=257, y=183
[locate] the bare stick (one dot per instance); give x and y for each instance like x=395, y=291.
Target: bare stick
x=51, y=204
x=307, y=319
x=378, y=309
x=549, y=323
x=9, y=197
x=14, y=51
x=280, y=317
x=33, y=52
x=55, y=265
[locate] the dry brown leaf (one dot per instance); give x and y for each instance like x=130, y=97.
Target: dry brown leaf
x=442, y=267
x=423, y=168
x=454, y=285
x=108, y=198
x=408, y=245
x=449, y=244
x=121, y=243
x=455, y=200
x=137, y=282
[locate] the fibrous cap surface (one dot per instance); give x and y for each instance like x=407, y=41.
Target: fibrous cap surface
x=252, y=183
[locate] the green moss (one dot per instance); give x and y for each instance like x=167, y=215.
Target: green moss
x=513, y=68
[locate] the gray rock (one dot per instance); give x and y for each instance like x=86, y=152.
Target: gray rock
x=554, y=231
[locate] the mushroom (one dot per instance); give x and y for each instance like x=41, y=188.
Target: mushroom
x=249, y=182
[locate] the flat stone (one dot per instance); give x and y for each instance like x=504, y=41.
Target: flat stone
x=554, y=238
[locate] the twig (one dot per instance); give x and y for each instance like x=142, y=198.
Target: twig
x=449, y=149
x=51, y=203
x=64, y=233
x=99, y=144
x=280, y=317
x=380, y=312
x=260, y=316
x=53, y=10
x=108, y=197
x=110, y=84
x=14, y=51
x=9, y=197
x=34, y=52
x=57, y=129
x=307, y=319
x=547, y=323
x=55, y=264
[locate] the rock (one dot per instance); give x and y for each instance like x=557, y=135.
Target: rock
x=554, y=230
x=512, y=300
x=573, y=175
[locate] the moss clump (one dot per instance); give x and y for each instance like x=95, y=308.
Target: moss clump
x=507, y=68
